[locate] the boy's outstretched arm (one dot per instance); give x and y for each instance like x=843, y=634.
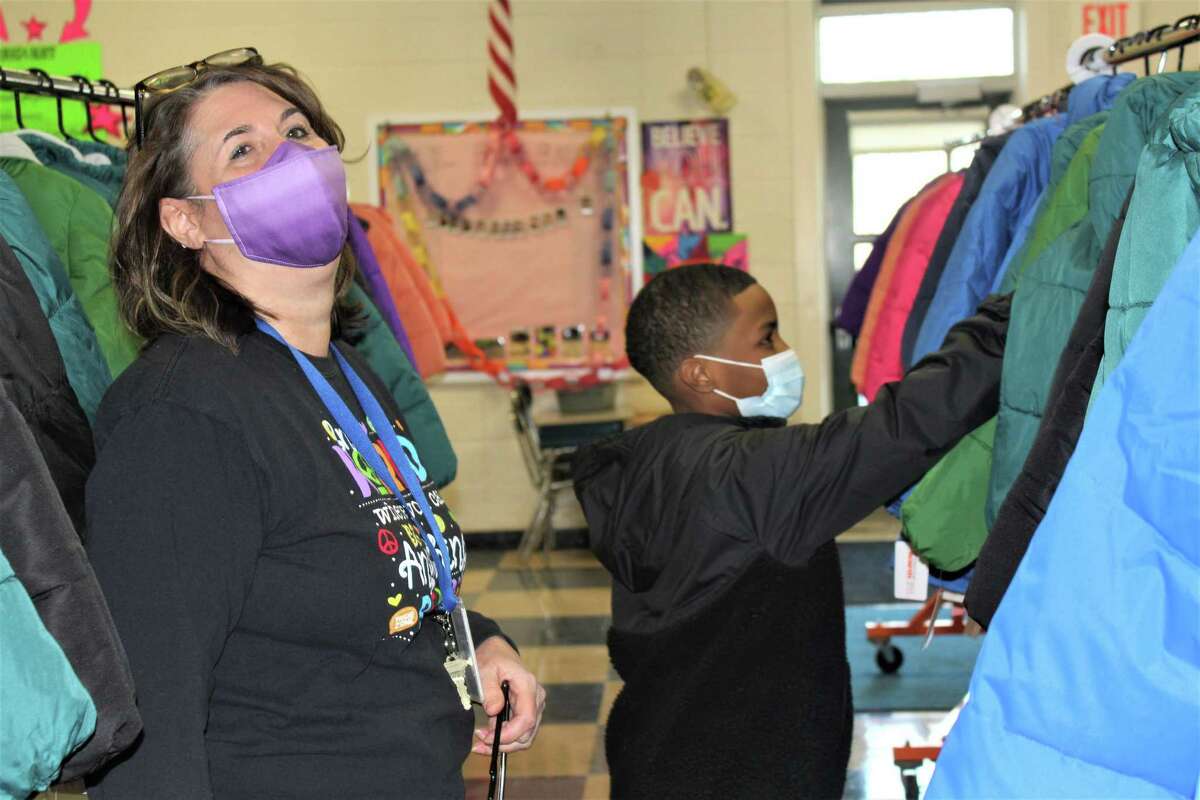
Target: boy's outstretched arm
x=806, y=484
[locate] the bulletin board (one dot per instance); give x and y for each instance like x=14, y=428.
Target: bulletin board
x=519, y=255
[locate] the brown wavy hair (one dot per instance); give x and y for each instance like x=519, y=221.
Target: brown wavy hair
x=160, y=286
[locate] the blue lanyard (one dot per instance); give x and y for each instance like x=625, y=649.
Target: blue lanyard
x=362, y=442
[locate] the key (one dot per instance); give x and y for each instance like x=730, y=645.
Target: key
x=457, y=669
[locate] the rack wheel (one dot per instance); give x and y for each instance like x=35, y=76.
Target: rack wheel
x=889, y=658
x=912, y=790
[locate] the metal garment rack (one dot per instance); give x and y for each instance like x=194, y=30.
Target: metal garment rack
x=1142, y=45
x=74, y=87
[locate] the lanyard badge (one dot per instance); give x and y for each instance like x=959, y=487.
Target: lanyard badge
x=460, y=648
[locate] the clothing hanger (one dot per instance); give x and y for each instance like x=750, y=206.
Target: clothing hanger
x=49, y=85
x=109, y=85
x=16, y=97
x=87, y=108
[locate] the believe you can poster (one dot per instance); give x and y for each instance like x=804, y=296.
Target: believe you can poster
x=685, y=177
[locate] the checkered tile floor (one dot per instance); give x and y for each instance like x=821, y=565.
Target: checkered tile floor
x=557, y=610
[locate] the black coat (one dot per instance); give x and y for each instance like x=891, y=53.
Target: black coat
x=47, y=452
x=728, y=624
x=1062, y=422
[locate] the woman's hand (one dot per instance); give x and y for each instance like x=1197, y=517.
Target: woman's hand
x=498, y=662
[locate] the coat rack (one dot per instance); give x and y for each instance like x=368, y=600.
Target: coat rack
x=74, y=87
x=1141, y=45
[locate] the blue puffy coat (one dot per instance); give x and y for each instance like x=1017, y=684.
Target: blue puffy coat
x=1086, y=685
x=1013, y=186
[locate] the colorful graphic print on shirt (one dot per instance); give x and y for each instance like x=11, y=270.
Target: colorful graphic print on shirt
x=402, y=538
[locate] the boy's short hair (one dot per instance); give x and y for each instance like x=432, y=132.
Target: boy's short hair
x=681, y=313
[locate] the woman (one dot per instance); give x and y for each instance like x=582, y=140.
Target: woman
x=281, y=606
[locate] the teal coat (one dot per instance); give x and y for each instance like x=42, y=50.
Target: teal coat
x=86, y=368
x=1163, y=216
x=383, y=353
x=103, y=179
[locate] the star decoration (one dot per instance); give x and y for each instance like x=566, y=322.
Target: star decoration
x=104, y=118
x=34, y=27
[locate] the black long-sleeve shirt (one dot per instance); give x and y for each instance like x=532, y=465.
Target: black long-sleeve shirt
x=269, y=591
x=728, y=624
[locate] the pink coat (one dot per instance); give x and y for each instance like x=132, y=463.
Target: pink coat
x=883, y=363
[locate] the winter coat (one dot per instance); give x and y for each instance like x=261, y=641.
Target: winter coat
x=1050, y=293
x=410, y=290
x=368, y=265
x=103, y=179
x=883, y=357
x=853, y=308
x=1025, y=506
x=47, y=712
x=375, y=283
x=1086, y=683
x=973, y=180
x=32, y=372
x=41, y=503
x=85, y=365
x=883, y=284
x=78, y=224
x=946, y=520
x=375, y=342
x=1060, y=206
x=1163, y=216
x=942, y=518
x=1014, y=184
x=728, y=618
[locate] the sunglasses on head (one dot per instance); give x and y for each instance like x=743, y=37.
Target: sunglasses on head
x=168, y=80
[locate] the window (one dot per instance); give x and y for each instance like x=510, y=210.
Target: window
x=882, y=182
x=862, y=251
x=916, y=46
x=894, y=154
x=960, y=157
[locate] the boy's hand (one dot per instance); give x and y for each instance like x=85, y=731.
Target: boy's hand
x=498, y=662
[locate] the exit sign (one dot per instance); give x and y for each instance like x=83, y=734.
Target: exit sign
x=1111, y=19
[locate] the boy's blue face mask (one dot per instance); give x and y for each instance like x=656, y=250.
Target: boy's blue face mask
x=785, y=386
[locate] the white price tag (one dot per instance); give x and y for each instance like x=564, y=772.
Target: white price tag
x=912, y=574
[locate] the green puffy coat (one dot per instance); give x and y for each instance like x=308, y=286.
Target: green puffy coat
x=78, y=224
x=85, y=366
x=943, y=517
x=1163, y=216
x=378, y=345
x=1049, y=296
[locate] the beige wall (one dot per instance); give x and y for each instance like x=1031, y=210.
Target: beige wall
x=417, y=56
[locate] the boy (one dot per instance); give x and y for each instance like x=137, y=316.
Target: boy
x=717, y=523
